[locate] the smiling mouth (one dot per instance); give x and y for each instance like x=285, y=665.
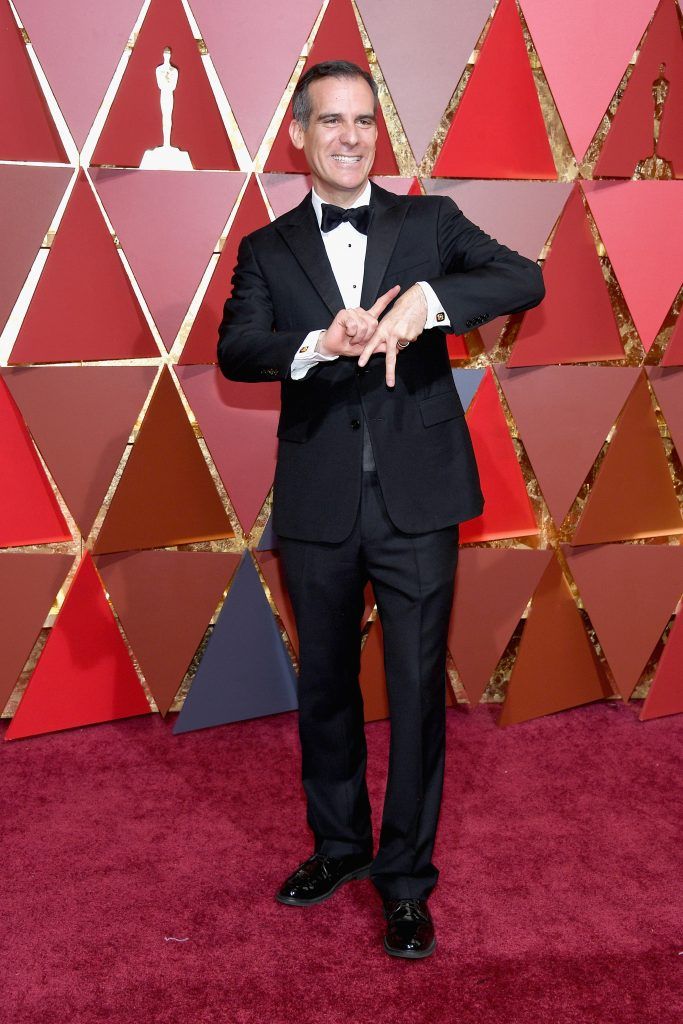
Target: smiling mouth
x=348, y=160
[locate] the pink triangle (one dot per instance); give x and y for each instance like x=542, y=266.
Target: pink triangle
x=89, y=409
x=584, y=48
x=168, y=223
x=239, y=423
x=29, y=197
x=234, y=33
x=649, y=272
x=73, y=34
x=439, y=39
x=667, y=383
x=564, y=414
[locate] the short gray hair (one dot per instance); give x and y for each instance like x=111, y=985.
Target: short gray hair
x=301, y=100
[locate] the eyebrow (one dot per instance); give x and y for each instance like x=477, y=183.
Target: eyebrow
x=321, y=117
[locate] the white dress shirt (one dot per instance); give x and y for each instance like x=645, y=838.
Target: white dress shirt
x=345, y=248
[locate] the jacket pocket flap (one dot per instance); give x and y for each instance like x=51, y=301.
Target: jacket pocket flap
x=441, y=407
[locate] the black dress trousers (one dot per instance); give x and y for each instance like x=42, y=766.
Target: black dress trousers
x=412, y=577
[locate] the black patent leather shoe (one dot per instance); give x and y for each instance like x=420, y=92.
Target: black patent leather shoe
x=318, y=877
x=410, y=929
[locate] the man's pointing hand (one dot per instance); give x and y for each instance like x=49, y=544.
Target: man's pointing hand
x=402, y=325
x=353, y=328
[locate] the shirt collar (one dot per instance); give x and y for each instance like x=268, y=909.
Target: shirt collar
x=362, y=200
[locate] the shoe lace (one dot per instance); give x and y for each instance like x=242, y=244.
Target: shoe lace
x=409, y=910
x=316, y=858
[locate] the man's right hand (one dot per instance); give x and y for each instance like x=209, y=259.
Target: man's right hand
x=352, y=328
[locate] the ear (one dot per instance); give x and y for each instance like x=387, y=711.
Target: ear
x=296, y=134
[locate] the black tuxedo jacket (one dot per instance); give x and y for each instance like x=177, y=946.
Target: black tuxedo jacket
x=283, y=287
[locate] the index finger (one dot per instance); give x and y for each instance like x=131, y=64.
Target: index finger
x=384, y=300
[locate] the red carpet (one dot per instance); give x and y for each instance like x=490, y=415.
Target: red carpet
x=560, y=891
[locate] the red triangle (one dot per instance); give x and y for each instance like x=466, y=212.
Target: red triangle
x=28, y=584
x=84, y=674
x=556, y=666
x=27, y=131
x=83, y=277
x=166, y=495
x=666, y=692
x=239, y=424
x=89, y=409
x=492, y=588
x=567, y=411
x=507, y=509
x=674, y=350
x=338, y=38
x=134, y=121
x=667, y=383
x=202, y=340
x=633, y=495
x=629, y=592
x=575, y=322
x=498, y=129
x=29, y=511
x=630, y=137
x=164, y=601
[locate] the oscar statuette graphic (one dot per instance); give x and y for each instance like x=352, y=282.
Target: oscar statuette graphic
x=166, y=157
x=655, y=165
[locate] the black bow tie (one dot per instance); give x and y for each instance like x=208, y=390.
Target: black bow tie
x=333, y=216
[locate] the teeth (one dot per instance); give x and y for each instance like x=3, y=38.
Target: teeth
x=346, y=159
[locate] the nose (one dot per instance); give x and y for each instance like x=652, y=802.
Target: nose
x=349, y=134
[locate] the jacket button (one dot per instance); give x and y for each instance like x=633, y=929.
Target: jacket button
x=355, y=424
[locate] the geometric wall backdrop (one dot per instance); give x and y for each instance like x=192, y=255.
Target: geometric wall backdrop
x=552, y=126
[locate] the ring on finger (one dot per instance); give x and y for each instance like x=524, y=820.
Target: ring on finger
x=402, y=345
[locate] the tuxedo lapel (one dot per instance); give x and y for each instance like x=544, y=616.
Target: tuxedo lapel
x=386, y=220
x=300, y=230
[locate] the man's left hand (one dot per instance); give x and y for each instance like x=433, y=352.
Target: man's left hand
x=404, y=322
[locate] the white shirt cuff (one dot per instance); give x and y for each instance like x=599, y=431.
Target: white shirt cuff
x=306, y=357
x=436, y=314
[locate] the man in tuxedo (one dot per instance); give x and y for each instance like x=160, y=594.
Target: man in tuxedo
x=346, y=300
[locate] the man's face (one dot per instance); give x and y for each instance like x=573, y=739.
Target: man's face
x=339, y=143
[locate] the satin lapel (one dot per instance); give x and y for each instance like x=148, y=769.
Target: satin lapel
x=301, y=233
x=386, y=220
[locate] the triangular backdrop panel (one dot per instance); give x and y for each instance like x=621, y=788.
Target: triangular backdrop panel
x=269, y=540
x=467, y=382
x=27, y=131
x=84, y=278
x=271, y=566
x=28, y=585
x=238, y=422
x=629, y=592
x=84, y=674
x=507, y=509
x=630, y=137
x=556, y=666
x=29, y=197
x=601, y=38
x=164, y=601
x=88, y=409
x=168, y=223
x=649, y=273
x=337, y=38
x=246, y=671
x=667, y=383
x=498, y=130
x=439, y=38
x=133, y=124
x=492, y=588
x=73, y=35
x=201, y=344
x=29, y=510
x=666, y=692
x=674, y=350
x=166, y=495
x=633, y=494
x=232, y=32
x=563, y=415
x=575, y=322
